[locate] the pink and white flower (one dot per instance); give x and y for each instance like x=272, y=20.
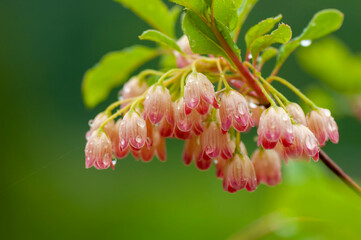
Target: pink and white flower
x=305, y=145
x=322, y=124
x=239, y=173
x=158, y=105
x=98, y=151
x=199, y=93
x=234, y=112
x=267, y=164
x=132, y=131
x=274, y=125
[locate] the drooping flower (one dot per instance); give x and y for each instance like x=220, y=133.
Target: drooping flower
x=211, y=140
x=234, y=112
x=156, y=145
x=322, y=124
x=98, y=151
x=118, y=151
x=274, y=125
x=267, y=164
x=97, y=122
x=132, y=131
x=239, y=173
x=185, y=123
x=199, y=93
x=297, y=113
x=305, y=145
x=158, y=104
x=133, y=88
x=192, y=150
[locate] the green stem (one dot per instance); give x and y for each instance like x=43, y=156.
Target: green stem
x=251, y=82
x=294, y=89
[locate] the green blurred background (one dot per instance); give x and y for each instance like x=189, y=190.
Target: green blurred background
x=45, y=190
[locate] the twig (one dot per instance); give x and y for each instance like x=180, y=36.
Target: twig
x=340, y=173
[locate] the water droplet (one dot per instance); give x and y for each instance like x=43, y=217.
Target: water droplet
x=138, y=139
x=114, y=161
x=141, y=123
x=250, y=56
x=90, y=123
x=306, y=43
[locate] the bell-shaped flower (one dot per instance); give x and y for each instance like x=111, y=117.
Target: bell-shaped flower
x=158, y=104
x=234, y=112
x=98, y=151
x=132, y=131
x=267, y=164
x=239, y=173
x=199, y=93
x=274, y=125
x=305, y=145
x=322, y=124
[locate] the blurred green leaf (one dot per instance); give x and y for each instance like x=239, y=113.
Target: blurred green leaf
x=156, y=36
x=281, y=35
x=198, y=6
x=163, y=20
x=332, y=62
x=202, y=39
x=324, y=22
x=260, y=29
x=225, y=12
x=267, y=54
x=113, y=70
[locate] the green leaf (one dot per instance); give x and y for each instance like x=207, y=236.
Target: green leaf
x=154, y=12
x=198, y=6
x=113, y=70
x=244, y=8
x=267, y=54
x=333, y=63
x=322, y=23
x=261, y=28
x=161, y=38
x=225, y=12
x=202, y=39
x=281, y=35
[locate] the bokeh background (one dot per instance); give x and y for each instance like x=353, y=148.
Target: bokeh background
x=45, y=190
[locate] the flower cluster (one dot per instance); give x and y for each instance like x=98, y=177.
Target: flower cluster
x=184, y=104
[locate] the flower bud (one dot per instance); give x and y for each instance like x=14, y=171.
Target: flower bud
x=210, y=140
x=322, y=124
